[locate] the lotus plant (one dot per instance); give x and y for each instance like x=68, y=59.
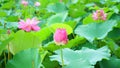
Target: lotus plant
x=60, y=38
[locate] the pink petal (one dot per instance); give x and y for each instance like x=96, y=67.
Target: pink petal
x=95, y=17
x=35, y=27
x=25, y=3
x=35, y=21
x=37, y=4
x=21, y=24
x=27, y=28
x=28, y=21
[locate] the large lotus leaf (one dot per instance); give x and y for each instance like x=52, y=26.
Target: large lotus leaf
x=50, y=64
x=118, y=6
x=12, y=18
x=57, y=18
x=117, y=52
x=24, y=40
x=54, y=7
x=80, y=63
x=11, y=25
x=95, y=30
x=112, y=63
x=68, y=56
x=95, y=55
x=87, y=45
x=29, y=58
x=114, y=34
x=8, y=5
x=90, y=55
x=76, y=10
x=88, y=19
x=3, y=14
x=72, y=23
x=117, y=18
x=113, y=46
x=115, y=9
x=43, y=34
x=45, y=3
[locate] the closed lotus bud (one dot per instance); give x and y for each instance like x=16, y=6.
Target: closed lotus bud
x=60, y=36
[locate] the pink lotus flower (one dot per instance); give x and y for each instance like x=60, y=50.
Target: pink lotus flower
x=60, y=36
x=29, y=25
x=25, y=3
x=37, y=4
x=99, y=15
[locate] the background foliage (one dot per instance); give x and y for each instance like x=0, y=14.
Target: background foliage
x=92, y=44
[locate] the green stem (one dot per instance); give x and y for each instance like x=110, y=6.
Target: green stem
x=8, y=47
x=33, y=64
x=73, y=35
x=4, y=58
x=8, y=52
x=29, y=9
x=62, y=56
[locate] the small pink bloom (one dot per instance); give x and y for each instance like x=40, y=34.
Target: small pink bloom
x=99, y=15
x=60, y=36
x=25, y=3
x=29, y=24
x=37, y=4
x=8, y=31
x=60, y=0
